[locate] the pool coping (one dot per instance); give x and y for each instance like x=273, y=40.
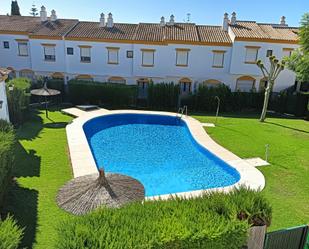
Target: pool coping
x=83, y=162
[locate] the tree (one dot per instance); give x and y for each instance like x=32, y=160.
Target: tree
x=271, y=75
x=15, y=9
x=33, y=11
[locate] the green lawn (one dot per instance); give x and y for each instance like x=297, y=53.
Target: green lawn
x=43, y=167
x=287, y=179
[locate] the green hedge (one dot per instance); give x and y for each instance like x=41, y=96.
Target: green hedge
x=88, y=92
x=10, y=234
x=163, y=95
x=18, y=99
x=7, y=144
x=204, y=99
x=213, y=221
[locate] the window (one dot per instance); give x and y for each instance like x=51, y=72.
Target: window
x=70, y=51
x=148, y=57
x=251, y=54
x=287, y=52
x=112, y=57
x=129, y=54
x=6, y=44
x=245, y=84
x=22, y=48
x=49, y=52
x=85, y=55
x=218, y=58
x=182, y=57
x=269, y=53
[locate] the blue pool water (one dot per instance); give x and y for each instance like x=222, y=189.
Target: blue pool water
x=157, y=150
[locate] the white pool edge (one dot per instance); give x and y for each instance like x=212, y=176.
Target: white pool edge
x=83, y=162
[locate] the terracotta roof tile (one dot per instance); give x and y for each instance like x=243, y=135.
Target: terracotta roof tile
x=181, y=32
x=253, y=30
x=213, y=34
x=92, y=30
x=56, y=28
x=149, y=32
x=18, y=23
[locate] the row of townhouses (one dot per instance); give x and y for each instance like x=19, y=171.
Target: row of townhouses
x=167, y=51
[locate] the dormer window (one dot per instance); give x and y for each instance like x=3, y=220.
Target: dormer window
x=251, y=54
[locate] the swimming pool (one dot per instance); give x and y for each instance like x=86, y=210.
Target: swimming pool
x=157, y=150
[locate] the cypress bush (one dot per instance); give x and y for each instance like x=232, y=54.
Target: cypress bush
x=7, y=144
x=163, y=96
x=10, y=234
x=210, y=221
x=88, y=92
x=18, y=99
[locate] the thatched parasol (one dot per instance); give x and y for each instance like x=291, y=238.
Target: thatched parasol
x=45, y=92
x=85, y=193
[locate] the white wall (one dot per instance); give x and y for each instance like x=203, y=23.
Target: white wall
x=239, y=67
x=4, y=112
x=9, y=57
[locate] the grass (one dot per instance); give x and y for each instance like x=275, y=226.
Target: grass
x=287, y=178
x=43, y=167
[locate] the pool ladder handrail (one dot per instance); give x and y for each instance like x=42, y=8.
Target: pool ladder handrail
x=181, y=111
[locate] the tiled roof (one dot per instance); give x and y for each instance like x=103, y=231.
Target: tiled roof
x=148, y=32
x=213, y=34
x=56, y=28
x=92, y=30
x=253, y=30
x=18, y=23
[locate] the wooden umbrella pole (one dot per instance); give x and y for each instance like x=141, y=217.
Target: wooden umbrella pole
x=103, y=182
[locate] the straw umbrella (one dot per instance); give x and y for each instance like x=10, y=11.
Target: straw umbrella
x=86, y=193
x=45, y=92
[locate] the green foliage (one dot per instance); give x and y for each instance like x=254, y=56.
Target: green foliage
x=15, y=8
x=7, y=143
x=163, y=96
x=209, y=221
x=18, y=99
x=304, y=33
x=10, y=234
x=88, y=92
x=204, y=99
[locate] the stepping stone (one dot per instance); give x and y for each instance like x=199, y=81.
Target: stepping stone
x=256, y=162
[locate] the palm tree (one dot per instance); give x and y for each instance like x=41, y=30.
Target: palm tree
x=271, y=75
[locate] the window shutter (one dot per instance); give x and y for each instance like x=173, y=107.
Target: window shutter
x=148, y=58
x=113, y=56
x=218, y=59
x=85, y=52
x=251, y=54
x=182, y=58
x=23, y=49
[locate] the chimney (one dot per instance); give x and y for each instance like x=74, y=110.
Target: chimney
x=225, y=25
x=172, y=20
x=53, y=16
x=110, y=22
x=233, y=19
x=282, y=21
x=162, y=22
x=43, y=14
x=102, y=20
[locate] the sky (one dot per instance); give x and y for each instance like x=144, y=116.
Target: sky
x=201, y=11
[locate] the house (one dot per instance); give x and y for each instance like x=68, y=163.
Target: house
x=4, y=111
x=167, y=51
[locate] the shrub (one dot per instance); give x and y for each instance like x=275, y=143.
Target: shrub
x=7, y=144
x=163, y=96
x=88, y=92
x=210, y=221
x=18, y=99
x=10, y=234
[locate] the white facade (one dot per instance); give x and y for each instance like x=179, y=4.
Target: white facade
x=199, y=68
x=4, y=111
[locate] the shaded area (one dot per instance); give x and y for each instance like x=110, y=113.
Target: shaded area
x=22, y=204
x=31, y=129
x=287, y=127
x=56, y=125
